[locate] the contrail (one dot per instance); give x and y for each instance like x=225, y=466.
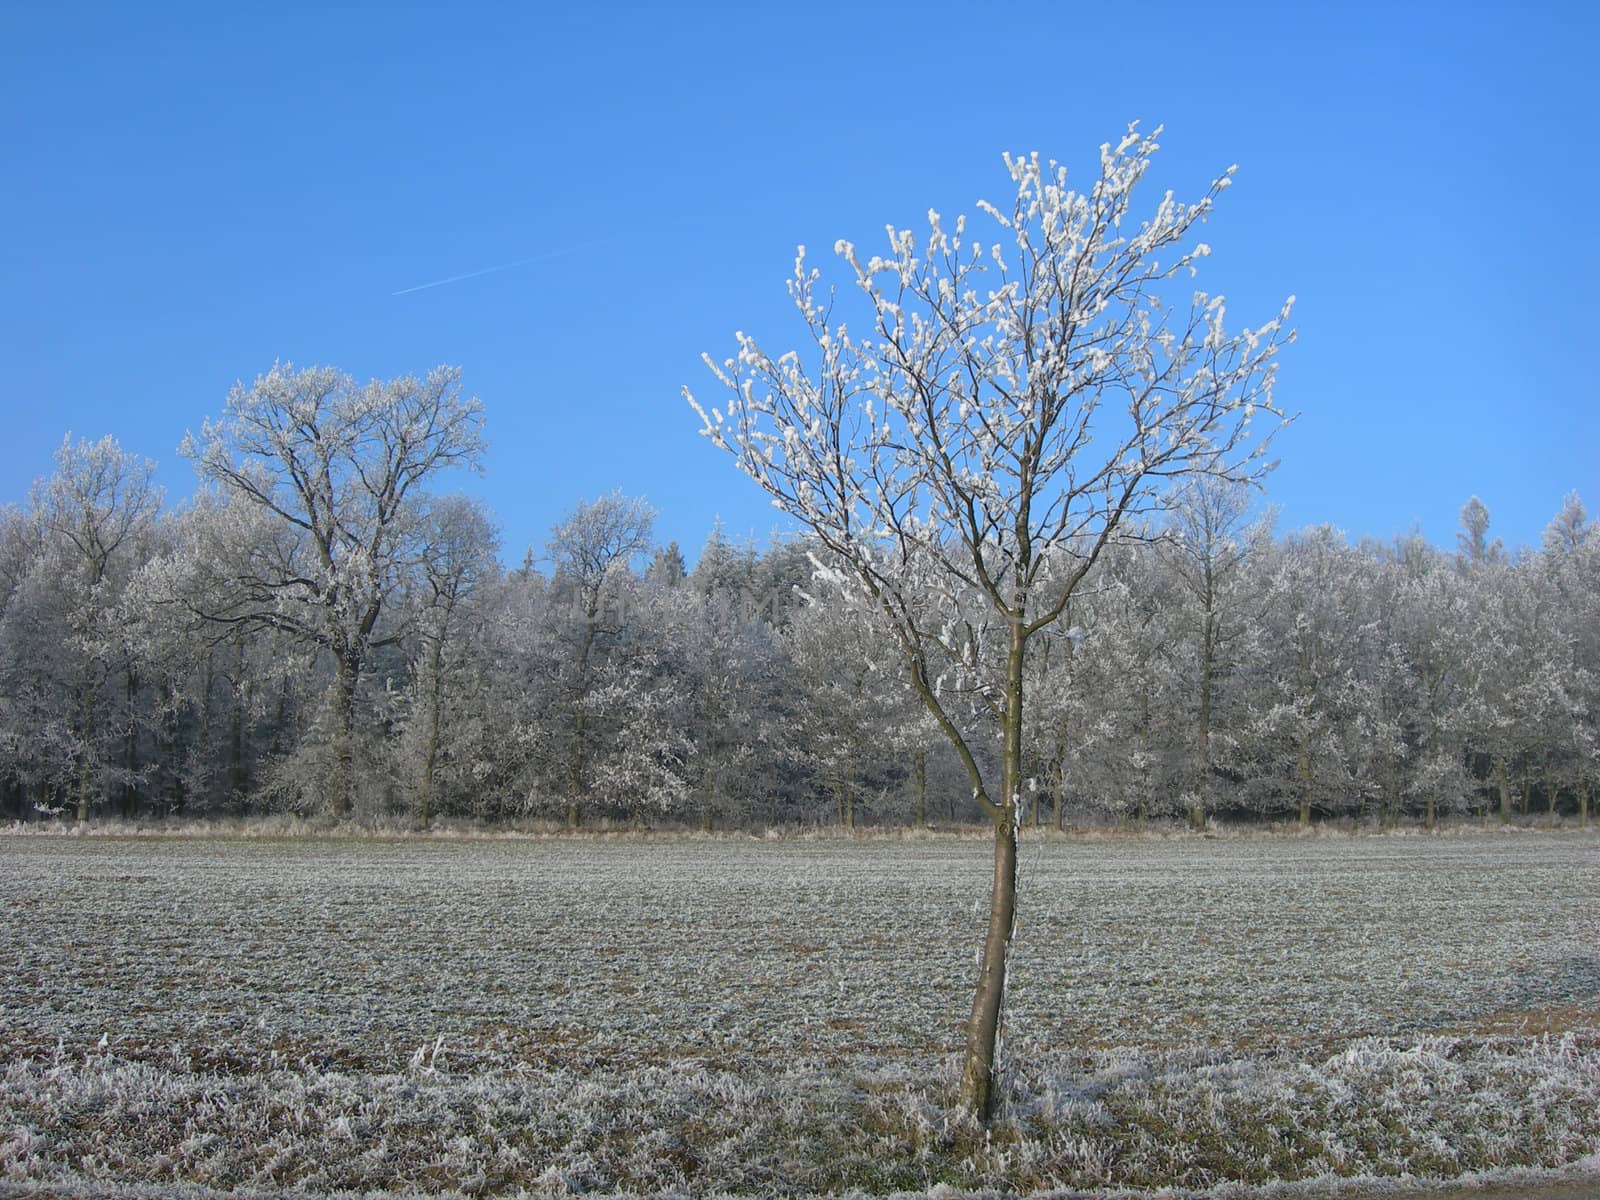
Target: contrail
x=505, y=266
x=422, y=287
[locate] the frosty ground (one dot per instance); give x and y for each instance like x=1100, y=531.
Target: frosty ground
x=782, y=1016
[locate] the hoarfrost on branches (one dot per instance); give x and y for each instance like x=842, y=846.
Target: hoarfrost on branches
x=334, y=468
x=996, y=420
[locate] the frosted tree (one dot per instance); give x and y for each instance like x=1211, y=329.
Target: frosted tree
x=1315, y=723
x=1572, y=560
x=1430, y=634
x=1058, y=714
x=1497, y=665
x=333, y=468
x=848, y=699
x=1001, y=413
x=1136, y=635
x=734, y=686
x=19, y=550
x=235, y=691
x=1389, y=743
x=667, y=568
x=95, y=516
x=1570, y=531
x=638, y=703
x=718, y=570
x=593, y=549
x=1210, y=542
x=1527, y=697
x=458, y=544
x=499, y=701
x=1473, y=546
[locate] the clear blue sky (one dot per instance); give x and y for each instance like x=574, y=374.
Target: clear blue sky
x=191, y=192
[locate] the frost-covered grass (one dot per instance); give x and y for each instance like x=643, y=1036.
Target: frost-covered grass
x=782, y=1017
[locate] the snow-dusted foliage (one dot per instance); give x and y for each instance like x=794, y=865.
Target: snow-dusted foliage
x=772, y=1017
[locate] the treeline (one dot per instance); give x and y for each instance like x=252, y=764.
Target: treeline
x=316, y=634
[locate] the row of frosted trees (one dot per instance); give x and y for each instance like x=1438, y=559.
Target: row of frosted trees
x=1222, y=669
x=317, y=634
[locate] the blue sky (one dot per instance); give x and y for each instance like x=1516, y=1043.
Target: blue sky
x=195, y=191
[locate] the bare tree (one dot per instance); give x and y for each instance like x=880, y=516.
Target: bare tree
x=332, y=466
x=1005, y=416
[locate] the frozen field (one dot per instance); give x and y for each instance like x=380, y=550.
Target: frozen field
x=781, y=1017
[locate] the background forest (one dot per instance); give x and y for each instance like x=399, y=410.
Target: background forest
x=317, y=633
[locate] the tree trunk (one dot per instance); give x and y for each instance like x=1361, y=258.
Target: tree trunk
x=344, y=782
x=235, y=725
x=1304, y=771
x=1392, y=800
x=978, y=1091
x=185, y=779
x=236, y=754
x=920, y=771
x=1058, y=791
x=983, y=1027
x=85, y=758
x=575, y=778
x=575, y=770
x=280, y=720
x=435, y=703
x=1144, y=753
x=1433, y=803
x=708, y=794
x=1503, y=782
x=130, y=750
x=1202, y=791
